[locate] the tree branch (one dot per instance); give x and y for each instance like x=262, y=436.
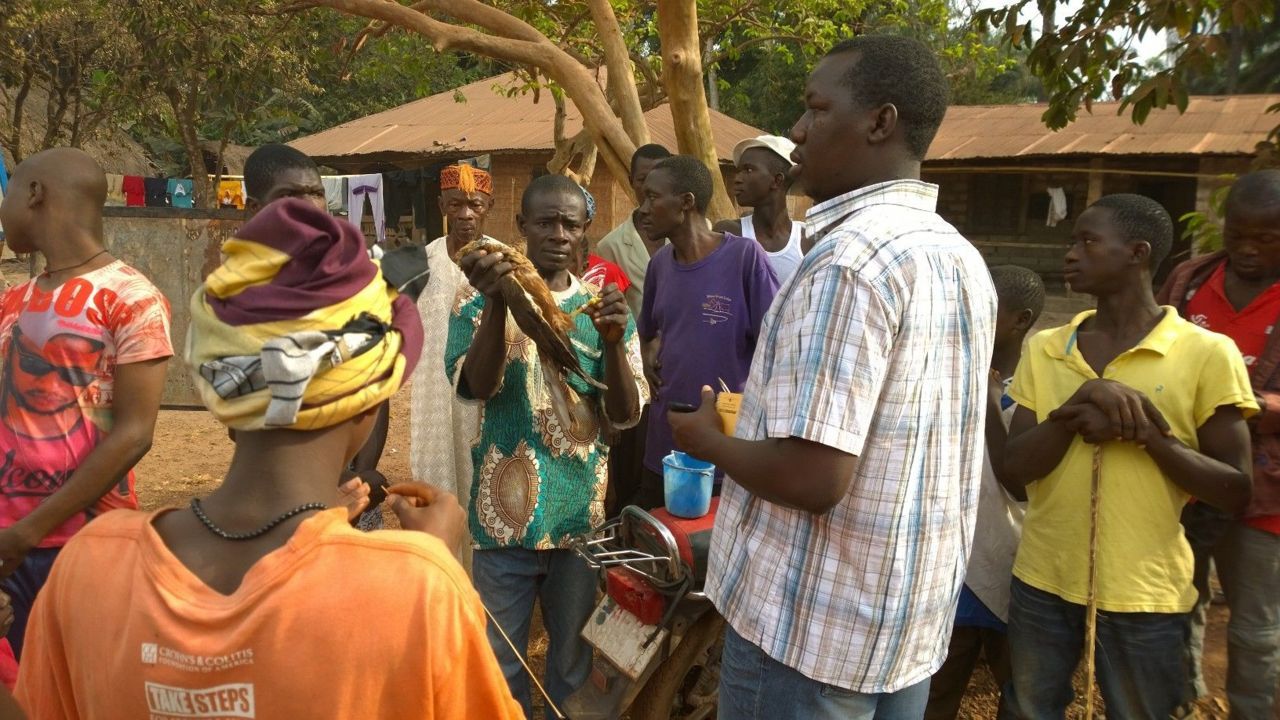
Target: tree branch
x=19, y=110
x=557, y=131
x=488, y=17
x=445, y=36
x=55, y=110
x=577, y=55
x=532, y=49
x=716, y=29
x=654, y=88
x=571, y=26
x=682, y=72
x=622, y=84
x=721, y=55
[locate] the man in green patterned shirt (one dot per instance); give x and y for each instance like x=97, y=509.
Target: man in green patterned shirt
x=541, y=470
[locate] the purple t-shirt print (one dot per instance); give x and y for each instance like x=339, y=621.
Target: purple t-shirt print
x=717, y=309
x=708, y=314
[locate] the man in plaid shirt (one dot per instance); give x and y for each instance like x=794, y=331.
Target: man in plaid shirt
x=851, y=487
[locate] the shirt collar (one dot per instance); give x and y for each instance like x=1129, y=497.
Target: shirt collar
x=914, y=194
x=631, y=235
x=1159, y=340
x=562, y=295
x=1216, y=284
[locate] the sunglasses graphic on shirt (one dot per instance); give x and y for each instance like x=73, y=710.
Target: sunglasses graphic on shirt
x=33, y=364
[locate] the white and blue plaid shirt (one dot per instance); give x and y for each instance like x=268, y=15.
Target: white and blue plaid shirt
x=878, y=346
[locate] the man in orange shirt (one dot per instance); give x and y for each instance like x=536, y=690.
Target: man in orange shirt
x=259, y=601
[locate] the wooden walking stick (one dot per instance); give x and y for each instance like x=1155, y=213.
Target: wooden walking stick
x=1091, y=604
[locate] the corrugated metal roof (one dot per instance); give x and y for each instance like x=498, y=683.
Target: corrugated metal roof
x=1227, y=125
x=484, y=121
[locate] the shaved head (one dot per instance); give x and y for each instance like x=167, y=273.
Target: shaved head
x=53, y=195
x=69, y=174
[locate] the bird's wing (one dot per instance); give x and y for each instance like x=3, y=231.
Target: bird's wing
x=535, y=309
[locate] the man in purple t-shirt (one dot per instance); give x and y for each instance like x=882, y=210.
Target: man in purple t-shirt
x=705, y=295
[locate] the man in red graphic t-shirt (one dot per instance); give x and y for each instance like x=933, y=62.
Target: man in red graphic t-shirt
x=83, y=350
x=1236, y=292
x=592, y=268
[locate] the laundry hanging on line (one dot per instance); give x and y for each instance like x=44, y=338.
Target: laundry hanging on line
x=360, y=187
x=180, y=193
x=115, y=190
x=157, y=191
x=231, y=194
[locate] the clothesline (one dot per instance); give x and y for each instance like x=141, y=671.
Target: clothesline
x=344, y=194
x=140, y=191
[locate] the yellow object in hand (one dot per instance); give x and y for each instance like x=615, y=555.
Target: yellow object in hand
x=588, y=304
x=727, y=404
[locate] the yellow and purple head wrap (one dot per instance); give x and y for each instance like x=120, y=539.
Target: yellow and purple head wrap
x=297, y=328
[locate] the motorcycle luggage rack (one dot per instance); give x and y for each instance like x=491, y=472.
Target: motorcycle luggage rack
x=608, y=546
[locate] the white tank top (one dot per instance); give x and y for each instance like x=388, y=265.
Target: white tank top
x=786, y=261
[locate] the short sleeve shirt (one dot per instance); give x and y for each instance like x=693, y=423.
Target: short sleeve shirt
x=1188, y=373
x=1250, y=328
x=709, y=314
x=539, y=478
x=285, y=644
x=61, y=349
x=878, y=347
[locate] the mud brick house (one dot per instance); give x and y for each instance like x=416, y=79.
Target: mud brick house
x=996, y=164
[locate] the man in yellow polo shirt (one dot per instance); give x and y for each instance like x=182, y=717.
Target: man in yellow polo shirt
x=1166, y=401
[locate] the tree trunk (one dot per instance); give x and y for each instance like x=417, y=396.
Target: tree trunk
x=513, y=41
x=203, y=191
x=18, y=113
x=713, y=84
x=622, y=83
x=567, y=148
x=55, y=113
x=1235, y=58
x=1048, y=16
x=74, y=138
x=682, y=74
x=219, y=161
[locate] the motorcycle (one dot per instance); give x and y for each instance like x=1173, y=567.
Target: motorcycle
x=657, y=637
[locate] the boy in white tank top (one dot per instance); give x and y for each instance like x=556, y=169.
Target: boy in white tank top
x=764, y=166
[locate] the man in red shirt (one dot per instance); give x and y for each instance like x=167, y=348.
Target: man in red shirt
x=1236, y=292
x=591, y=267
x=599, y=272
x=83, y=351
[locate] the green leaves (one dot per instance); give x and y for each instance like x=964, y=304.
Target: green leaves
x=764, y=84
x=1204, y=229
x=1089, y=55
x=74, y=55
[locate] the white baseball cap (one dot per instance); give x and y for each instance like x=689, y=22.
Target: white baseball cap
x=779, y=145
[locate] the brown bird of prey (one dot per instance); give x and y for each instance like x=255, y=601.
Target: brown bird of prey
x=534, y=308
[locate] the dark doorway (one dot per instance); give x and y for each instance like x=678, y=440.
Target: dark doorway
x=1178, y=196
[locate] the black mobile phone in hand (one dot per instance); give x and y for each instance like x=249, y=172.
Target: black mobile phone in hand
x=681, y=407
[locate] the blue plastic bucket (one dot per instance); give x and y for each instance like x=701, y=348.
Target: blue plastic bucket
x=686, y=485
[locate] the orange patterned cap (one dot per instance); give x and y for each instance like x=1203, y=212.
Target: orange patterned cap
x=466, y=178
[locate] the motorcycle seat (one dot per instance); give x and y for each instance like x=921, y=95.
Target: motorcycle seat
x=693, y=538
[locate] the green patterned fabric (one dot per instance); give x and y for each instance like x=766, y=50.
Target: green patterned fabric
x=538, y=478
